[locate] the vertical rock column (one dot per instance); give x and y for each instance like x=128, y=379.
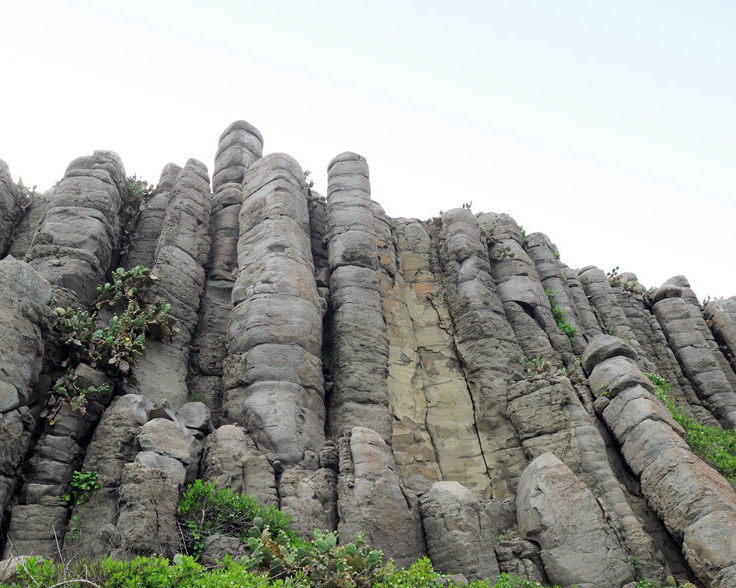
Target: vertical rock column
x=486, y=345
x=721, y=315
x=26, y=229
x=11, y=207
x=80, y=231
x=148, y=229
x=554, y=278
x=524, y=300
x=180, y=256
x=273, y=373
x=696, y=504
x=240, y=145
x=24, y=296
x=434, y=433
x=359, y=341
x=698, y=359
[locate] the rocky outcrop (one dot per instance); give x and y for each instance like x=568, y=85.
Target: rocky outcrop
x=359, y=360
x=142, y=249
x=273, y=376
x=79, y=233
x=181, y=252
x=459, y=537
x=363, y=374
x=12, y=204
x=24, y=316
x=372, y=500
x=559, y=512
x=691, y=498
x=485, y=344
x=240, y=145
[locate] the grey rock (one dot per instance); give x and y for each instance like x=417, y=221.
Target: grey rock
x=604, y=347
x=273, y=375
x=218, y=547
x=358, y=328
x=310, y=499
x=372, y=500
x=12, y=204
x=458, y=534
x=556, y=510
x=80, y=230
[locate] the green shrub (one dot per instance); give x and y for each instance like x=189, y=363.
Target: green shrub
x=559, y=315
x=115, y=348
x=712, y=444
x=205, y=511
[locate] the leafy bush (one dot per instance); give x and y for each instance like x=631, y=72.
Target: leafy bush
x=205, y=511
x=559, y=315
x=715, y=445
x=115, y=348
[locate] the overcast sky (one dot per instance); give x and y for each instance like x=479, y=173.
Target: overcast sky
x=609, y=126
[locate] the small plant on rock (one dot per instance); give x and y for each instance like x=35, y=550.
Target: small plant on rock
x=83, y=486
x=114, y=348
x=559, y=315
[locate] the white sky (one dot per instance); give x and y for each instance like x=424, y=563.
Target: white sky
x=609, y=126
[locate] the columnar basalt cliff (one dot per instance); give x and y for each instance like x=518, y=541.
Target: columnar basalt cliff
x=449, y=387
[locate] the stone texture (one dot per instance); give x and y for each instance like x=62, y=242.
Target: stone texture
x=372, y=500
x=142, y=249
x=75, y=243
x=359, y=360
x=556, y=510
x=677, y=485
x=12, y=205
x=458, y=534
x=310, y=499
x=181, y=253
x=486, y=345
x=273, y=377
x=721, y=317
x=699, y=360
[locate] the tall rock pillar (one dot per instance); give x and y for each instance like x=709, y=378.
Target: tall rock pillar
x=273, y=378
x=359, y=340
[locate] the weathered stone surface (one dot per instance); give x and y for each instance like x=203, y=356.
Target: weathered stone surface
x=556, y=510
x=142, y=249
x=148, y=498
x=434, y=434
x=678, y=486
x=217, y=547
x=181, y=252
x=310, y=499
x=458, y=534
x=24, y=295
x=12, y=204
x=604, y=347
x=75, y=242
x=518, y=284
x=486, y=345
x=273, y=376
x=34, y=529
x=721, y=316
x=699, y=361
x=372, y=500
x=359, y=361
x=710, y=544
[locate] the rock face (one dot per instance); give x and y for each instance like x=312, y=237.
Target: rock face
x=561, y=514
x=79, y=233
x=448, y=387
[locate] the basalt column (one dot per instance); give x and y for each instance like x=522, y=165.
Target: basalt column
x=11, y=207
x=273, y=373
x=240, y=145
x=180, y=256
x=359, y=341
x=486, y=345
x=148, y=228
x=74, y=245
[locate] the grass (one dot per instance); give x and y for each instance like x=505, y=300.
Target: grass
x=715, y=445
